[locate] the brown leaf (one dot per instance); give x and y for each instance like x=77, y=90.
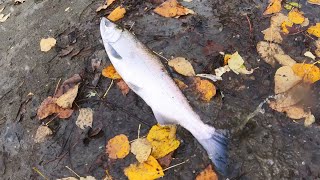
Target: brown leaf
x=66, y=51
x=66, y=100
x=182, y=66
x=166, y=160
x=285, y=79
x=171, y=8
x=268, y=50
x=49, y=107
x=85, y=118
x=180, y=84
x=292, y=97
x=41, y=134
x=207, y=174
x=124, y=88
x=272, y=34
x=68, y=84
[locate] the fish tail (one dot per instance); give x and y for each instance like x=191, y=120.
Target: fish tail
x=216, y=147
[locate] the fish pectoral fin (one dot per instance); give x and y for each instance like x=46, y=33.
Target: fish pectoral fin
x=162, y=120
x=113, y=53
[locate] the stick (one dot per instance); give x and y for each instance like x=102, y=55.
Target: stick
x=37, y=171
x=175, y=165
x=73, y=172
x=105, y=94
x=57, y=86
x=160, y=56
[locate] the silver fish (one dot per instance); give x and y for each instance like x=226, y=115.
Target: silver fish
x=146, y=76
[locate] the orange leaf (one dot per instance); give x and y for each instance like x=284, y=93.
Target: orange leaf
x=118, y=147
x=314, y=30
x=110, y=72
x=171, y=8
x=205, y=88
x=273, y=7
x=296, y=16
x=207, y=174
x=49, y=107
x=124, y=88
x=117, y=14
x=180, y=84
x=309, y=72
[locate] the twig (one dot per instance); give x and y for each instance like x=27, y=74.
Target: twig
x=52, y=119
x=38, y=171
x=176, y=165
x=249, y=22
x=57, y=86
x=139, y=130
x=131, y=26
x=105, y=94
x=73, y=172
x=160, y=56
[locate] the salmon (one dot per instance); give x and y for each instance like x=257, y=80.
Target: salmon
x=145, y=74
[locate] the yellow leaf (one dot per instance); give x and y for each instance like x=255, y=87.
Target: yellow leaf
x=171, y=8
x=110, y=72
x=206, y=89
x=148, y=170
x=118, y=147
x=207, y=174
x=66, y=100
x=285, y=79
x=236, y=64
x=47, y=44
x=182, y=66
x=273, y=7
x=284, y=26
x=309, y=72
x=296, y=16
x=117, y=14
x=314, y=30
x=85, y=118
x=163, y=140
x=317, y=2
x=141, y=148
x=226, y=59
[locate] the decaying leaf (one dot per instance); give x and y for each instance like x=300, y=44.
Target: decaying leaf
x=207, y=174
x=314, y=30
x=268, y=50
x=272, y=34
x=212, y=77
x=285, y=26
x=293, y=112
x=118, y=147
x=49, y=107
x=117, y=14
x=291, y=97
x=182, y=66
x=180, y=84
x=310, y=119
x=124, y=88
x=171, y=8
x=221, y=70
x=42, y=133
x=278, y=19
x=285, y=79
x=310, y=55
x=166, y=160
x=273, y=7
x=141, y=148
x=309, y=72
x=3, y=17
x=296, y=16
x=85, y=118
x=105, y=6
x=150, y=169
x=19, y=1
x=110, y=72
x=163, y=140
x=236, y=64
x=66, y=100
x=47, y=44
x=284, y=60
x=206, y=89
x=317, y=2
x=68, y=84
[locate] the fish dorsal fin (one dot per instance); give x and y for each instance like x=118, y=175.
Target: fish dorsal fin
x=113, y=53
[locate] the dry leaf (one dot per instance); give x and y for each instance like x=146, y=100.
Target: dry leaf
x=236, y=64
x=273, y=7
x=212, y=77
x=296, y=16
x=166, y=160
x=309, y=72
x=117, y=14
x=47, y=44
x=285, y=79
x=148, y=170
x=124, y=88
x=68, y=178
x=171, y=8
x=310, y=55
x=272, y=34
x=163, y=140
x=221, y=70
x=88, y=178
x=317, y=51
x=49, y=107
x=293, y=112
x=310, y=119
x=278, y=19
x=110, y=72
x=85, y=118
x=285, y=26
x=68, y=84
x=317, y=2
x=291, y=97
x=42, y=133
x=305, y=22
x=207, y=174
x=180, y=84
x=206, y=89
x=3, y=17
x=285, y=60
x=314, y=30
x=141, y=148
x=105, y=6
x=268, y=50
x=66, y=100
x=118, y=147
x=19, y=1
x=182, y=66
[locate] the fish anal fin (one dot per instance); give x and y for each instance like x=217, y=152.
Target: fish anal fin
x=163, y=120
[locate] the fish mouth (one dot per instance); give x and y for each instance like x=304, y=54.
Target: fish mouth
x=109, y=31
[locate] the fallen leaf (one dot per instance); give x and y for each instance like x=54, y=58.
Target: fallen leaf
x=19, y=1
x=49, y=107
x=291, y=97
x=296, y=16
x=305, y=22
x=293, y=112
x=117, y=14
x=88, y=178
x=310, y=119
x=165, y=161
x=85, y=118
x=163, y=140
x=273, y=7
x=105, y=6
x=182, y=66
x=206, y=89
x=66, y=51
x=285, y=79
x=124, y=88
x=314, y=30
x=207, y=174
x=309, y=72
x=221, y=70
x=236, y=64
x=268, y=50
x=310, y=55
x=118, y=147
x=317, y=51
x=3, y=17
x=66, y=100
x=284, y=60
x=68, y=84
x=285, y=26
x=47, y=44
x=180, y=84
x=141, y=148
x=317, y=2
x=110, y=72
x=272, y=34
x=68, y=178
x=42, y=133
x=148, y=170
x=171, y=8
x=291, y=5
x=278, y=19
x=212, y=77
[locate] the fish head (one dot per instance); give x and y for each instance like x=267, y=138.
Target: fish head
x=110, y=32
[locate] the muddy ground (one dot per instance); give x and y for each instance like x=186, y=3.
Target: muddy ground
x=270, y=146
